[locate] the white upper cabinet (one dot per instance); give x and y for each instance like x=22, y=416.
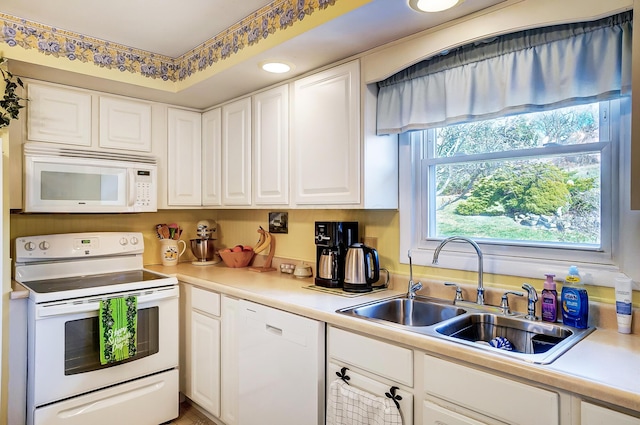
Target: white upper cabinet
x=125, y=124
x=58, y=115
x=236, y=153
x=326, y=137
x=184, y=140
x=271, y=147
x=211, y=157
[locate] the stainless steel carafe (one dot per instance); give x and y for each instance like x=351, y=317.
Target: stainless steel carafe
x=362, y=268
x=327, y=265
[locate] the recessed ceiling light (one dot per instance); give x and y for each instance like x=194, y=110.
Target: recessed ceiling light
x=276, y=67
x=433, y=5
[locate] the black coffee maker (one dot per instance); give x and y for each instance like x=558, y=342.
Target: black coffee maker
x=333, y=238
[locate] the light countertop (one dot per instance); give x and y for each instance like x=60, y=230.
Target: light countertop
x=605, y=366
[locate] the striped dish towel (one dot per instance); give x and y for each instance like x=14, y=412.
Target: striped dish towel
x=118, y=323
x=351, y=406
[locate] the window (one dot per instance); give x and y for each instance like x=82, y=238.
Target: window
x=521, y=142
x=464, y=179
x=530, y=179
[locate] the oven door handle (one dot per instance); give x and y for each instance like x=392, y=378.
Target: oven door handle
x=94, y=305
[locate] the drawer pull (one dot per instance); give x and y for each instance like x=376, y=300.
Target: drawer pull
x=343, y=374
x=393, y=396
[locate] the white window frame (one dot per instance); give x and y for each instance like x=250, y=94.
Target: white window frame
x=597, y=267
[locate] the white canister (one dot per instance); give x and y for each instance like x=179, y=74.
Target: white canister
x=170, y=251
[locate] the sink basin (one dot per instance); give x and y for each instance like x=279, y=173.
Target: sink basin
x=536, y=342
x=475, y=326
x=405, y=311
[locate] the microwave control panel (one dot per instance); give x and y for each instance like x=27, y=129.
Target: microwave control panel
x=144, y=184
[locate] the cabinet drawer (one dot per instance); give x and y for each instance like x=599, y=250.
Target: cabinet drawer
x=596, y=415
x=490, y=395
x=432, y=414
x=205, y=301
x=380, y=358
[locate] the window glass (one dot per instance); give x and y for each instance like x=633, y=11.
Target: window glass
x=530, y=179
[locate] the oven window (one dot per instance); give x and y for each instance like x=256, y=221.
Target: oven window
x=82, y=342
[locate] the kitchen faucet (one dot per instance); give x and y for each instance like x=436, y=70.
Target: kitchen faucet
x=413, y=287
x=532, y=297
x=436, y=254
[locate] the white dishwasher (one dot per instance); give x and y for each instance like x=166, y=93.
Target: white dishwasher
x=281, y=367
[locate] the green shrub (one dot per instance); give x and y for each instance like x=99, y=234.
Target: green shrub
x=532, y=188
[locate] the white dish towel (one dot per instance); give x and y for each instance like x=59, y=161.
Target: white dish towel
x=351, y=406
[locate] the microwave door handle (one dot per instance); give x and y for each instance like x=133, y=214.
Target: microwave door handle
x=132, y=187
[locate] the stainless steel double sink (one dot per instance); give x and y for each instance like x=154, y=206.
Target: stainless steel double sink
x=473, y=325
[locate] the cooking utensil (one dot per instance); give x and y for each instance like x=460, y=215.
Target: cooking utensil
x=163, y=231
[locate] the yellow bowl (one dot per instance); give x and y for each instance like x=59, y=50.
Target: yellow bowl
x=237, y=259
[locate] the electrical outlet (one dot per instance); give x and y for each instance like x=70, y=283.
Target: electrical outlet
x=370, y=241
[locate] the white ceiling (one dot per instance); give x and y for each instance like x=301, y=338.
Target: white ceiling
x=172, y=30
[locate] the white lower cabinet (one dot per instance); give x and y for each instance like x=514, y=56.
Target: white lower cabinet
x=484, y=397
x=200, y=348
x=592, y=414
x=371, y=365
x=229, y=361
x=205, y=349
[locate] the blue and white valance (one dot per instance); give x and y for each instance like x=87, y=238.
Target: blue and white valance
x=529, y=70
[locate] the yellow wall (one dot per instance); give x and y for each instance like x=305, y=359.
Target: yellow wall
x=240, y=227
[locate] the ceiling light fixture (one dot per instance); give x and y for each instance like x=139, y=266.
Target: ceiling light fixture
x=433, y=5
x=276, y=67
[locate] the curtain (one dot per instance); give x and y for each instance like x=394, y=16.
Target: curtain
x=530, y=70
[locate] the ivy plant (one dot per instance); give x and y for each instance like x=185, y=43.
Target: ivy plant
x=10, y=103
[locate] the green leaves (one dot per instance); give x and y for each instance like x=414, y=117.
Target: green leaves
x=10, y=103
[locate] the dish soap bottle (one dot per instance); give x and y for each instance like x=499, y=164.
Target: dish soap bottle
x=575, y=300
x=549, y=300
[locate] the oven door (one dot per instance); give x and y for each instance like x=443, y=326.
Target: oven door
x=64, y=358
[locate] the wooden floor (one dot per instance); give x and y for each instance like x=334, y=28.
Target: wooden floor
x=190, y=416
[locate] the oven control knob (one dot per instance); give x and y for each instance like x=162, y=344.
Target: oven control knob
x=29, y=246
x=134, y=241
x=123, y=241
x=44, y=245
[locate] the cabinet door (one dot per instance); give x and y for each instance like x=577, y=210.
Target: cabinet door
x=229, y=361
x=58, y=115
x=183, y=157
x=326, y=137
x=236, y=153
x=211, y=157
x=372, y=386
x=271, y=146
x=205, y=362
x=596, y=415
x=125, y=124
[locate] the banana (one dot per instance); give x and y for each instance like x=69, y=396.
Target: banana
x=261, y=239
x=265, y=243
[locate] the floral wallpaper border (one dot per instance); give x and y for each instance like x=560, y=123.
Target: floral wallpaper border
x=277, y=16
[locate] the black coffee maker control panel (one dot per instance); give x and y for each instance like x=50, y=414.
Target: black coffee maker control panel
x=332, y=239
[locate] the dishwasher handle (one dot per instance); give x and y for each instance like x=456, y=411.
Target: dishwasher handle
x=273, y=329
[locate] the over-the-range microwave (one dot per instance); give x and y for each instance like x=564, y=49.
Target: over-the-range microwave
x=70, y=180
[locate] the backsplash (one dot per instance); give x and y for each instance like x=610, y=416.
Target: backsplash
x=240, y=227
x=234, y=227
